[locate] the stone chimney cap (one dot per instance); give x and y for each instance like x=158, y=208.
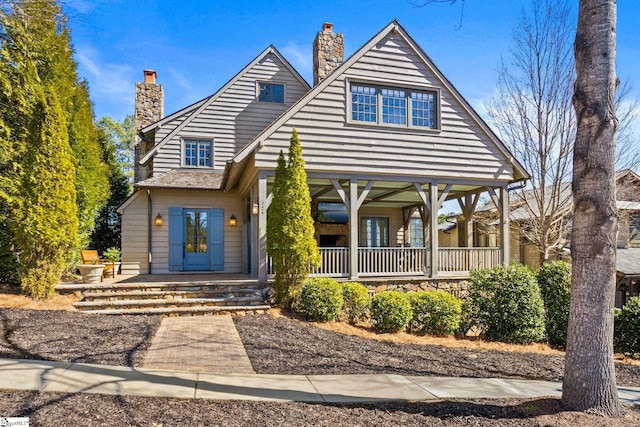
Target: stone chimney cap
x=327, y=27
x=149, y=76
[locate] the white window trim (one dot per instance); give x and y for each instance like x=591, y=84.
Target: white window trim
x=183, y=152
x=284, y=92
x=399, y=86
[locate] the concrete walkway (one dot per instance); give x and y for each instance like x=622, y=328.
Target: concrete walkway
x=18, y=374
x=199, y=344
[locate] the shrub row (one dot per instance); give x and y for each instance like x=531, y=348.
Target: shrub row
x=432, y=312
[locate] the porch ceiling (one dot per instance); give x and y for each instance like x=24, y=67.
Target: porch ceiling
x=387, y=194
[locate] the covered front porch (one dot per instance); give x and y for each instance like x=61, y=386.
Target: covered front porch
x=396, y=230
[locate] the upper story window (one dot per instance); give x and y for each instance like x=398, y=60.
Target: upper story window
x=197, y=153
x=393, y=106
x=271, y=92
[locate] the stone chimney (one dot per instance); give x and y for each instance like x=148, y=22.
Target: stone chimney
x=149, y=109
x=328, y=53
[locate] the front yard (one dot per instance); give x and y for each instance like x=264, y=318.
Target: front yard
x=281, y=344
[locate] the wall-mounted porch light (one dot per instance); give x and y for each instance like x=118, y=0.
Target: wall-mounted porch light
x=232, y=221
x=255, y=209
x=158, y=220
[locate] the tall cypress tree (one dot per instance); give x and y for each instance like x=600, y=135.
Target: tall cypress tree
x=290, y=231
x=47, y=136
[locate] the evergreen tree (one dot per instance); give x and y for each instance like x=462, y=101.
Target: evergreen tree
x=47, y=136
x=108, y=222
x=122, y=135
x=290, y=232
x=45, y=211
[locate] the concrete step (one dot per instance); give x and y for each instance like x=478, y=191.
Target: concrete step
x=139, y=294
x=187, y=311
x=179, y=302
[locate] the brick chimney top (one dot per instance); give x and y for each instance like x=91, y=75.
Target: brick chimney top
x=149, y=76
x=327, y=27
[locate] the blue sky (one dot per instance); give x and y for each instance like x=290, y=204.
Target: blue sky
x=197, y=46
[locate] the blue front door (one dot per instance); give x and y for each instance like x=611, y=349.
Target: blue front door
x=196, y=243
x=196, y=239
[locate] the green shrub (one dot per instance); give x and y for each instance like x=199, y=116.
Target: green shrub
x=390, y=311
x=554, y=280
x=112, y=254
x=356, y=302
x=320, y=299
x=466, y=317
x=626, y=338
x=506, y=304
x=435, y=312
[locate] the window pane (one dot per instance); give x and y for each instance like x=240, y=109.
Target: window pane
x=374, y=232
x=190, y=154
x=417, y=233
x=363, y=103
x=394, y=106
x=269, y=92
x=422, y=109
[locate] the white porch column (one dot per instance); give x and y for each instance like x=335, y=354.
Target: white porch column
x=262, y=227
x=353, y=228
x=504, y=223
x=433, y=225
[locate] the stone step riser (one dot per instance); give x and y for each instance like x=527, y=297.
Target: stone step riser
x=189, y=311
x=156, y=288
x=163, y=303
x=123, y=296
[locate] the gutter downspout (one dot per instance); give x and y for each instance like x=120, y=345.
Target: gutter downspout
x=149, y=228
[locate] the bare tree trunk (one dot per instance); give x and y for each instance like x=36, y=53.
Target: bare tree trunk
x=589, y=380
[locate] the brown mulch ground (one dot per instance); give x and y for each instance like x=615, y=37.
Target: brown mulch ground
x=67, y=336
x=277, y=345
x=282, y=345
x=58, y=409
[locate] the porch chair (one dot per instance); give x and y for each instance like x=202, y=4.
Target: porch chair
x=91, y=257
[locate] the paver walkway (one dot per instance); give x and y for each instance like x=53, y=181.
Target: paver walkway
x=198, y=344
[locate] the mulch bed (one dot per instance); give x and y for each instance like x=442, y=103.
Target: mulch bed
x=54, y=409
x=66, y=336
x=282, y=345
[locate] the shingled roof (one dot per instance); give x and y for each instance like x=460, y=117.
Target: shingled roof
x=184, y=179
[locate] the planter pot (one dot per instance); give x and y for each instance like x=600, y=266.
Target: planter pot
x=91, y=273
x=117, y=267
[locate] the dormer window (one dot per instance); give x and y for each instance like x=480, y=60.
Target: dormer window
x=197, y=153
x=393, y=106
x=270, y=92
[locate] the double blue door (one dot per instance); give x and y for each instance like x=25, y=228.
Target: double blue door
x=196, y=239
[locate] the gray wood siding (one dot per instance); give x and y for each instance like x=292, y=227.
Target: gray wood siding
x=234, y=118
x=134, y=227
x=461, y=149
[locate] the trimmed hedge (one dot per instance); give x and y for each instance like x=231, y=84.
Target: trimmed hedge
x=390, y=311
x=356, y=302
x=506, y=304
x=320, y=299
x=435, y=312
x=626, y=337
x=554, y=280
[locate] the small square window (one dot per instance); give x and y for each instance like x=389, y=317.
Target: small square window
x=270, y=92
x=197, y=153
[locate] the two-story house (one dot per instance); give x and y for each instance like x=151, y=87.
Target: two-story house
x=384, y=135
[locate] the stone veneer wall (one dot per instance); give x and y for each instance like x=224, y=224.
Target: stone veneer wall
x=328, y=53
x=456, y=287
x=149, y=109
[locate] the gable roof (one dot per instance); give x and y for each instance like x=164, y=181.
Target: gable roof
x=195, y=109
x=394, y=26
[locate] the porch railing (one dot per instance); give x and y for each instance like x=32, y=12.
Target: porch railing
x=454, y=260
x=392, y=261
x=334, y=262
x=399, y=261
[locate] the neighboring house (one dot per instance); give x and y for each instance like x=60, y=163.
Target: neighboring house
x=384, y=135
